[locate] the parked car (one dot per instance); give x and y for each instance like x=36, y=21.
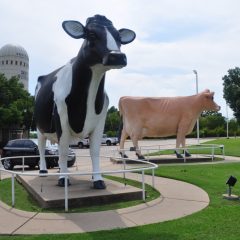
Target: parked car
x=109, y=140
x=82, y=143
x=29, y=147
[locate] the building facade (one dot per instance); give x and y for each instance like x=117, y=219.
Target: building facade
x=14, y=61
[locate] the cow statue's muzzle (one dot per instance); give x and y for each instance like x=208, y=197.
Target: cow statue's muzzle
x=116, y=59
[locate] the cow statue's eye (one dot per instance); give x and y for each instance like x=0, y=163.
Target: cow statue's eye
x=92, y=37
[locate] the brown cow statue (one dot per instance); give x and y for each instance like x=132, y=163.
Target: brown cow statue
x=162, y=117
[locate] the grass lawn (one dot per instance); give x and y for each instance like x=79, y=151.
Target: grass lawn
x=231, y=145
x=219, y=221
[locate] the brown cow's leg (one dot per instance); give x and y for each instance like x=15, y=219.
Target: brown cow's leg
x=135, y=144
x=178, y=142
x=187, y=154
x=124, y=136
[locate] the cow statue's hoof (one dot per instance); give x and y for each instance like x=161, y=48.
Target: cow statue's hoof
x=178, y=155
x=61, y=182
x=43, y=172
x=140, y=157
x=187, y=154
x=123, y=155
x=100, y=184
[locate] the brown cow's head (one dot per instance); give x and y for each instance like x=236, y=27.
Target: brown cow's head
x=208, y=101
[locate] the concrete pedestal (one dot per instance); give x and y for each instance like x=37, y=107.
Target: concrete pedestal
x=80, y=193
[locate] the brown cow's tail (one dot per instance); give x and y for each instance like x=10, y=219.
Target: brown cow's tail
x=120, y=129
x=120, y=107
x=121, y=121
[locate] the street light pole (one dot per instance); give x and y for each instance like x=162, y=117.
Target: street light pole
x=195, y=72
x=227, y=119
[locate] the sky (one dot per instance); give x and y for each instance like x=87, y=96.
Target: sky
x=173, y=38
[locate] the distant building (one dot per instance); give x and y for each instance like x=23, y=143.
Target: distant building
x=14, y=61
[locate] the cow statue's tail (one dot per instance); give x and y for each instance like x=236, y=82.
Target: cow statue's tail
x=121, y=121
x=121, y=141
x=120, y=129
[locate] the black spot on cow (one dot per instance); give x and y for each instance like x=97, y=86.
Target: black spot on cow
x=77, y=99
x=99, y=101
x=44, y=106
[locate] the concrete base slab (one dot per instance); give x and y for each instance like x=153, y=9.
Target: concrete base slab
x=231, y=197
x=80, y=193
x=168, y=159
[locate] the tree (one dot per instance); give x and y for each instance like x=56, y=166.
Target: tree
x=231, y=90
x=233, y=127
x=112, y=122
x=212, y=124
x=212, y=120
x=16, y=104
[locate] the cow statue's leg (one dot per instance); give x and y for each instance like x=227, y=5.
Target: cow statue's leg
x=187, y=154
x=135, y=144
x=41, y=148
x=178, y=142
x=63, y=157
x=124, y=136
x=95, y=142
x=181, y=140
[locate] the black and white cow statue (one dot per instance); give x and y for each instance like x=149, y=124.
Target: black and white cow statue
x=71, y=101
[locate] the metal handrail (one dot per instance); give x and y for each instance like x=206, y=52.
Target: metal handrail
x=160, y=148
x=124, y=171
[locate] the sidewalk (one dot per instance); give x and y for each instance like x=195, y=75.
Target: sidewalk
x=178, y=199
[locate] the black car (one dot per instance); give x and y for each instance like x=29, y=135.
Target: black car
x=29, y=147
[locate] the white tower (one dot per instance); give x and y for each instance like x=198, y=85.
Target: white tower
x=14, y=61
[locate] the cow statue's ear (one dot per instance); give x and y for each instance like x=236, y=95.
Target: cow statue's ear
x=126, y=35
x=74, y=28
x=209, y=94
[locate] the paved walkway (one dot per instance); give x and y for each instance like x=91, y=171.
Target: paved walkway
x=178, y=199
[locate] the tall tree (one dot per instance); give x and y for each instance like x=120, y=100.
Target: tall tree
x=16, y=104
x=231, y=90
x=112, y=122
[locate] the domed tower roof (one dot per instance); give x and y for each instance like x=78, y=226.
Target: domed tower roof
x=14, y=61
x=13, y=50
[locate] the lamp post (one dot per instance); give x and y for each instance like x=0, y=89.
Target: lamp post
x=227, y=119
x=195, y=72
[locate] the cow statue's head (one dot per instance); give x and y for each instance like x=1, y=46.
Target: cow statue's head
x=102, y=41
x=208, y=101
